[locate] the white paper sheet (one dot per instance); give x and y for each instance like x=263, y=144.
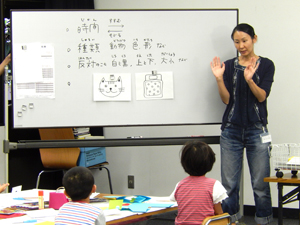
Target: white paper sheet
x=112, y=86
x=154, y=86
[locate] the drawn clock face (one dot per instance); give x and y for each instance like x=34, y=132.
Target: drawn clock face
x=153, y=86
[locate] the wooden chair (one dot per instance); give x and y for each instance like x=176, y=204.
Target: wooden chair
x=60, y=159
x=222, y=219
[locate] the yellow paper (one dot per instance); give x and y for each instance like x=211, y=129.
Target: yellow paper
x=45, y=223
x=113, y=204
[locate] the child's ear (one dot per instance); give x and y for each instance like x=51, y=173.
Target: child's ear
x=94, y=188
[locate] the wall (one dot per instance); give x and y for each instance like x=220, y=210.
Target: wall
x=157, y=169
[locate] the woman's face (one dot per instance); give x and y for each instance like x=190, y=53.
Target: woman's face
x=244, y=43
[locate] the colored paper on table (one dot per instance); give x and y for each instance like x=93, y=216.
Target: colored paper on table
x=7, y=211
x=159, y=205
x=3, y=216
x=113, y=204
x=114, y=197
x=138, y=207
x=136, y=199
x=45, y=223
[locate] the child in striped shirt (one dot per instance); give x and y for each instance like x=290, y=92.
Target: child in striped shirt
x=197, y=196
x=79, y=185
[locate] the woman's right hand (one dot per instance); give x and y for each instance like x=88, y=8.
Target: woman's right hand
x=217, y=68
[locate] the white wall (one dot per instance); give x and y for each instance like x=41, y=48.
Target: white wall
x=157, y=169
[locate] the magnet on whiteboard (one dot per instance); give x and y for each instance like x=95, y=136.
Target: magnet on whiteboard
x=20, y=114
x=31, y=105
x=24, y=107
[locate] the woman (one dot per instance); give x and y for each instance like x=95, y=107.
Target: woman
x=244, y=83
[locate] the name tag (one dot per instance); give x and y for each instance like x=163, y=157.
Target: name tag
x=265, y=138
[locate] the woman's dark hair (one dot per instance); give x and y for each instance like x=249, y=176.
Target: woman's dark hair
x=197, y=158
x=78, y=183
x=244, y=27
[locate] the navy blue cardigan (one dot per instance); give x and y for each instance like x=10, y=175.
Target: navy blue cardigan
x=263, y=77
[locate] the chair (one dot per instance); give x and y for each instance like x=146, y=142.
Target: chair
x=222, y=219
x=62, y=159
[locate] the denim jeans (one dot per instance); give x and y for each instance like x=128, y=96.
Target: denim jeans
x=233, y=141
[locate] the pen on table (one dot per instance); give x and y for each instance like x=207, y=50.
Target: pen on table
x=26, y=221
x=135, y=137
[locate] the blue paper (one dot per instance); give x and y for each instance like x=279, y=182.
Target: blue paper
x=19, y=198
x=159, y=205
x=137, y=199
x=138, y=207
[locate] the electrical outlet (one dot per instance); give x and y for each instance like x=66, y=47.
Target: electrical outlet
x=131, y=181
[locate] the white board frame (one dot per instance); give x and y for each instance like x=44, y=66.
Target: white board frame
x=192, y=37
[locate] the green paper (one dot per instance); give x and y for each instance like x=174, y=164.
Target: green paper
x=113, y=204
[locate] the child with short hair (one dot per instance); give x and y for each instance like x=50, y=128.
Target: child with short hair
x=79, y=185
x=197, y=196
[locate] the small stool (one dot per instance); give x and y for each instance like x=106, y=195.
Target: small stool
x=98, y=166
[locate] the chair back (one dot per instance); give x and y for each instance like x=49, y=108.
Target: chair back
x=58, y=158
x=222, y=219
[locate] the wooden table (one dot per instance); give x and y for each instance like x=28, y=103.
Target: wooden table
x=294, y=195
x=131, y=219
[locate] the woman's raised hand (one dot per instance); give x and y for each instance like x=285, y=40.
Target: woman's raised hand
x=250, y=69
x=217, y=68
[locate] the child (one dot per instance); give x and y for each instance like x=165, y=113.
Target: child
x=197, y=196
x=79, y=185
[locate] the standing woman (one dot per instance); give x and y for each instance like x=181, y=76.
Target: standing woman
x=244, y=83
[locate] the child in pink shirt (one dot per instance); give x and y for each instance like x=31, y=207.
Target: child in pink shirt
x=197, y=196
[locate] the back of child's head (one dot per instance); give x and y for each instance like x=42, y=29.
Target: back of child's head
x=197, y=158
x=78, y=183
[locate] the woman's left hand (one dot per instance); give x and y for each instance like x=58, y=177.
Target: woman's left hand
x=250, y=69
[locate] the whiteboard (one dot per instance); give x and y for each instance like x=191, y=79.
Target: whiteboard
x=118, y=67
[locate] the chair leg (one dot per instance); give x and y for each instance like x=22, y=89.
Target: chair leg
x=38, y=180
x=109, y=179
x=44, y=171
